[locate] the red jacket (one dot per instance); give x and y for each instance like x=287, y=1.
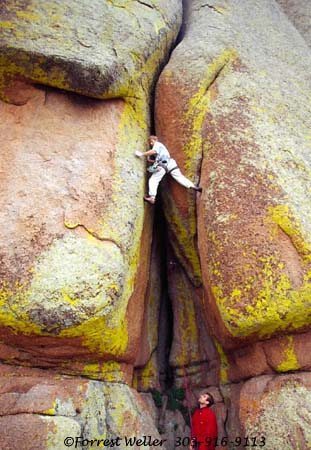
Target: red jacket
x=204, y=428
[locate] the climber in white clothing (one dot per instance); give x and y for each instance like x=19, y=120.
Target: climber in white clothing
x=162, y=164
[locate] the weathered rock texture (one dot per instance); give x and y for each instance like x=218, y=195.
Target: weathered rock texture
x=299, y=13
x=78, y=294
x=240, y=113
x=281, y=354
x=39, y=410
x=147, y=361
x=274, y=410
x=75, y=237
x=232, y=105
x=69, y=256
x=101, y=49
x=193, y=355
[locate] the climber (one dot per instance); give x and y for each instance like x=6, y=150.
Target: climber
x=204, y=425
x=162, y=164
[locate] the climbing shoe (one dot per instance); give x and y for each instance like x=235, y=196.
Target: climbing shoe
x=150, y=200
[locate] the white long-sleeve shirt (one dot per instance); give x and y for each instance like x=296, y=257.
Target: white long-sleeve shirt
x=162, y=152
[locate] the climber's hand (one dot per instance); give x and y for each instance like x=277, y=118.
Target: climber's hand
x=138, y=154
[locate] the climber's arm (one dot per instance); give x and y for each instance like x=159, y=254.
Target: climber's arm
x=150, y=152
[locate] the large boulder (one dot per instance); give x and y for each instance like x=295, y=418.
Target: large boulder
x=70, y=237
x=271, y=412
x=98, y=48
x=39, y=410
x=75, y=238
x=281, y=354
x=237, y=116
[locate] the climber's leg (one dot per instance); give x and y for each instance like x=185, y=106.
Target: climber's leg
x=154, y=181
x=181, y=179
x=175, y=172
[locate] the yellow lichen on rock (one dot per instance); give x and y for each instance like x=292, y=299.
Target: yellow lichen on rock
x=81, y=50
x=276, y=307
x=290, y=361
x=285, y=219
x=80, y=282
x=224, y=363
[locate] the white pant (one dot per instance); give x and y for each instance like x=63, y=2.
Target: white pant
x=156, y=177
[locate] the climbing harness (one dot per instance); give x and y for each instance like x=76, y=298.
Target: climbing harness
x=171, y=170
x=155, y=167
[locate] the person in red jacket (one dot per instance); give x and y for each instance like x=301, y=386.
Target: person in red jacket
x=204, y=425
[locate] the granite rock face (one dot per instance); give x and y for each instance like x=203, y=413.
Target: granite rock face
x=75, y=234
x=83, y=289
x=40, y=410
x=146, y=375
x=193, y=355
x=299, y=13
x=97, y=48
x=75, y=240
x=271, y=410
x=238, y=116
x=232, y=106
x=69, y=255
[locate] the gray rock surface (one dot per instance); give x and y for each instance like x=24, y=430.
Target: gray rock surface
x=299, y=13
x=98, y=48
x=238, y=115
